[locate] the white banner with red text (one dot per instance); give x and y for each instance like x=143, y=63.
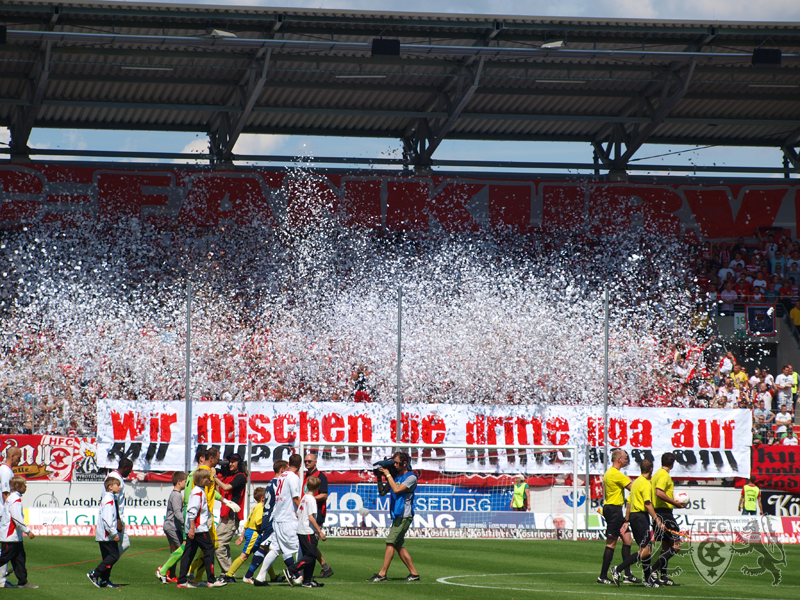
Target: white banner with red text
x=706, y=442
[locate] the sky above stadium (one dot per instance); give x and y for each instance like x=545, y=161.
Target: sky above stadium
x=693, y=10
x=721, y=10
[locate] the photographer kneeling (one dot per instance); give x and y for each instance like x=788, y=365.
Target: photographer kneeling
x=400, y=485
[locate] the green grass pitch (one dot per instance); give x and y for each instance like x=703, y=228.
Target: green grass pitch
x=450, y=570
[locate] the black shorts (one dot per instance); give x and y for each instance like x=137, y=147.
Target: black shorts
x=640, y=528
x=308, y=544
x=615, y=519
x=668, y=519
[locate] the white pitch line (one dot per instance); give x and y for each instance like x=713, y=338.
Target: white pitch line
x=445, y=581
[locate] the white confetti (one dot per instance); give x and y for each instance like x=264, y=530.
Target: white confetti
x=306, y=309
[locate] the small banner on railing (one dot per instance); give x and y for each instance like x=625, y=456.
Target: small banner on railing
x=760, y=319
x=55, y=458
x=777, y=467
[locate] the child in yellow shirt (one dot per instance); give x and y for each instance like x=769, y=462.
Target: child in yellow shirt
x=250, y=534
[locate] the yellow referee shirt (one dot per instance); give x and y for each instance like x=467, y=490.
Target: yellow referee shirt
x=641, y=492
x=662, y=481
x=614, y=484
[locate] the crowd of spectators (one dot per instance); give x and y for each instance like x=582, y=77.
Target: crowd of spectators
x=766, y=271
x=762, y=270
x=771, y=399
x=98, y=311
x=724, y=383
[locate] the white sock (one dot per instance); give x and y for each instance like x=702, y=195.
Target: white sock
x=270, y=558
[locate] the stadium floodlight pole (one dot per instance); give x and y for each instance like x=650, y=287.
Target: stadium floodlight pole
x=588, y=488
x=399, y=360
x=605, y=392
x=574, y=452
x=249, y=476
x=188, y=376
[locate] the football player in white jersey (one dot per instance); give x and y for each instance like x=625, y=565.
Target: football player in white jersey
x=121, y=473
x=284, y=517
x=12, y=526
x=13, y=458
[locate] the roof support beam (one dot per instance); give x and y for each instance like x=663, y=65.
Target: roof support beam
x=703, y=40
x=227, y=134
x=613, y=150
x=792, y=140
x=767, y=96
x=401, y=62
x=452, y=52
x=606, y=121
x=455, y=106
x=614, y=133
x=790, y=154
x=21, y=131
x=415, y=142
x=664, y=108
x=218, y=137
x=765, y=141
x=629, y=108
x=254, y=88
x=506, y=165
x=460, y=104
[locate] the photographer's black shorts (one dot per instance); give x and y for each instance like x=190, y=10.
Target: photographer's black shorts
x=640, y=528
x=614, y=520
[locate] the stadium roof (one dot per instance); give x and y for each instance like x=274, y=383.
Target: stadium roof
x=225, y=71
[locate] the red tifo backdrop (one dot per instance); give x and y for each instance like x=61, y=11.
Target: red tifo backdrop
x=172, y=197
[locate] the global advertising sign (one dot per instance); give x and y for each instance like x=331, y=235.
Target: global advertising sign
x=780, y=504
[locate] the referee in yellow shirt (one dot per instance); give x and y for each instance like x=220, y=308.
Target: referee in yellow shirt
x=640, y=511
x=670, y=542
x=614, y=485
